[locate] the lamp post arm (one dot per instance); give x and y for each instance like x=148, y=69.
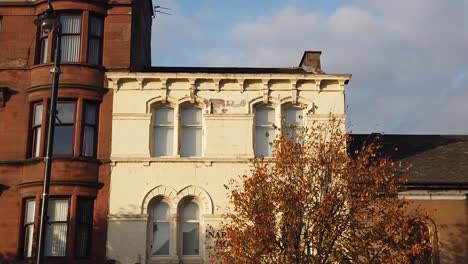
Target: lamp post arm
x=55, y=71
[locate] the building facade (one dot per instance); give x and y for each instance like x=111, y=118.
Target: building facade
x=97, y=37
x=180, y=134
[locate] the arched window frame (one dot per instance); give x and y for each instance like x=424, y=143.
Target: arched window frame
x=185, y=126
x=190, y=257
x=279, y=108
x=171, y=221
x=163, y=125
x=178, y=106
x=261, y=126
x=292, y=128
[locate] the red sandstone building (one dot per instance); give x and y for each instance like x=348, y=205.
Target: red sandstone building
x=98, y=36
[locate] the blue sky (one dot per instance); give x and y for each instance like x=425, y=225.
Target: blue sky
x=409, y=59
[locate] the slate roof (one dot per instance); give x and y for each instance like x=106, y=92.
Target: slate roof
x=439, y=161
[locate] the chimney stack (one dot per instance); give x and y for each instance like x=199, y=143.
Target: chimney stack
x=310, y=61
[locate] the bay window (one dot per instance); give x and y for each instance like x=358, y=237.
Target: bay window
x=68, y=129
x=57, y=227
x=28, y=227
x=57, y=235
x=76, y=47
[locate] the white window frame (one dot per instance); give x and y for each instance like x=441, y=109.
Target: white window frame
x=172, y=256
x=155, y=126
x=278, y=121
x=271, y=127
x=177, y=129
x=28, y=227
x=298, y=125
x=182, y=126
x=201, y=230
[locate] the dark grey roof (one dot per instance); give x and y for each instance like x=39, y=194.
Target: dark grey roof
x=226, y=70
x=438, y=161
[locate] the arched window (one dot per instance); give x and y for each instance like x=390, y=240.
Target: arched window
x=163, y=131
x=191, y=136
x=264, y=130
x=190, y=229
x=293, y=122
x=160, y=218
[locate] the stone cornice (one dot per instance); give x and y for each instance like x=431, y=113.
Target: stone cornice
x=139, y=80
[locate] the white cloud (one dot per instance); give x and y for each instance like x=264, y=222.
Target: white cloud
x=408, y=59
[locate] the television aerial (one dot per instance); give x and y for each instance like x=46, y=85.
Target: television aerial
x=161, y=10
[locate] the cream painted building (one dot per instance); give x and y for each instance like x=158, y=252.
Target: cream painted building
x=180, y=134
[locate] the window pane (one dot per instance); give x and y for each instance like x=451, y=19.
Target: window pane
x=85, y=211
x=70, y=23
x=57, y=210
x=30, y=209
x=37, y=141
x=95, y=27
x=164, y=116
x=38, y=114
x=44, y=50
x=161, y=212
x=163, y=141
x=190, y=211
x=82, y=241
x=190, y=239
x=93, y=50
x=66, y=112
x=70, y=48
x=85, y=221
x=293, y=116
x=91, y=110
x=28, y=240
x=56, y=233
x=160, y=239
x=88, y=142
x=191, y=141
x=264, y=116
x=191, y=116
x=56, y=239
x=263, y=137
x=63, y=140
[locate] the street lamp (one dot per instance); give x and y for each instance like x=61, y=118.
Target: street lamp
x=48, y=22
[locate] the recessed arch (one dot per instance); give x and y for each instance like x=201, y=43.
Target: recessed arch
x=260, y=101
x=160, y=100
x=160, y=191
x=300, y=102
x=200, y=195
x=195, y=100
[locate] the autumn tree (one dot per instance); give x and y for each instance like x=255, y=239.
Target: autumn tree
x=313, y=202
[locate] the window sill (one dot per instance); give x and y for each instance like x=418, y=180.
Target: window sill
x=209, y=160
x=163, y=259
x=51, y=64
